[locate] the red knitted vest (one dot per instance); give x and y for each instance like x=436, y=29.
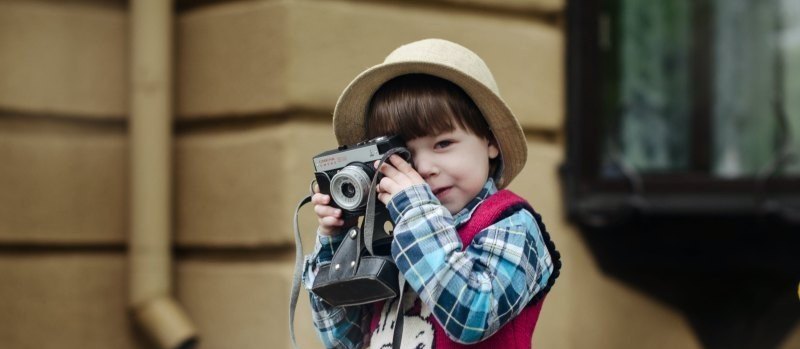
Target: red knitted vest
x=518, y=332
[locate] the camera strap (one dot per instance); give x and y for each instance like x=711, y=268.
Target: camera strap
x=369, y=216
x=369, y=228
x=298, y=269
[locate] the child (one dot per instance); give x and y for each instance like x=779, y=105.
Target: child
x=477, y=261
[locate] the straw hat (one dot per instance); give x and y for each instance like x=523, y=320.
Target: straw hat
x=446, y=60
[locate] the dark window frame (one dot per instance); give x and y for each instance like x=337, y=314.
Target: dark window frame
x=591, y=197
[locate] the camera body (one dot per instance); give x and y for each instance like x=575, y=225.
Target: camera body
x=345, y=173
x=354, y=275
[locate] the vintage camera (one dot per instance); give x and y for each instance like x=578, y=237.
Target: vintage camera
x=356, y=276
x=346, y=173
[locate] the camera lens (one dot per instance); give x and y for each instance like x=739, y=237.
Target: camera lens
x=348, y=190
x=350, y=186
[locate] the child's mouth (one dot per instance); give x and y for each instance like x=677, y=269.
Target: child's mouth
x=439, y=193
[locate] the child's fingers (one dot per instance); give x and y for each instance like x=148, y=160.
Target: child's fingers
x=388, y=185
x=402, y=177
x=331, y=222
x=404, y=167
x=388, y=170
x=384, y=198
x=320, y=199
x=327, y=211
x=328, y=225
x=400, y=163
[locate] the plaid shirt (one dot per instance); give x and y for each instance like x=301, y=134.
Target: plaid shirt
x=473, y=291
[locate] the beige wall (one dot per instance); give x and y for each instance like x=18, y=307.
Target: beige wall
x=256, y=83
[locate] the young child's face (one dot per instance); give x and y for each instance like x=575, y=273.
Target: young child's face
x=455, y=165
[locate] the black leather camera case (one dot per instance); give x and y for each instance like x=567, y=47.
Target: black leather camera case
x=355, y=277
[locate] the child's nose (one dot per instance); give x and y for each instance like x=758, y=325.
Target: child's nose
x=424, y=166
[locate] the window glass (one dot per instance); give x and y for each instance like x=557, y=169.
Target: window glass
x=744, y=88
x=701, y=86
x=647, y=85
x=790, y=50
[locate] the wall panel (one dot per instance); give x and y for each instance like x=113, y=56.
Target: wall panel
x=243, y=304
x=64, y=300
x=239, y=185
x=264, y=57
x=62, y=182
x=63, y=59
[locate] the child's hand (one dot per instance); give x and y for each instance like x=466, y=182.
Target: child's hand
x=398, y=175
x=330, y=218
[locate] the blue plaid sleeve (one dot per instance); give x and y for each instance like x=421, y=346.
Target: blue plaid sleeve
x=337, y=327
x=472, y=292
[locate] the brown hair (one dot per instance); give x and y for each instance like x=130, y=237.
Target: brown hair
x=419, y=105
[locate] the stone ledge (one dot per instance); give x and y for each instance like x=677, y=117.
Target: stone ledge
x=547, y=6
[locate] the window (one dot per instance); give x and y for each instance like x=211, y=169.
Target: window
x=683, y=96
x=683, y=156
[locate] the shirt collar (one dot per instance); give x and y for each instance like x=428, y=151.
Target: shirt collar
x=465, y=214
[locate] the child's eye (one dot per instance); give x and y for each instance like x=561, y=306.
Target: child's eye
x=443, y=144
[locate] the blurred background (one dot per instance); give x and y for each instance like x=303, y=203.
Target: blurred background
x=152, y=154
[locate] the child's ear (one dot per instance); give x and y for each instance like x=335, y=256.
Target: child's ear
x=494, y=151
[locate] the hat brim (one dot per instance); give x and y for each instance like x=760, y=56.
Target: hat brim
x=351, y=109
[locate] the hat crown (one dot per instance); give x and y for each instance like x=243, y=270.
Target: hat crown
x=448, y=54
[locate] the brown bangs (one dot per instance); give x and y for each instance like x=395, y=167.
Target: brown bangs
x=419, y=105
